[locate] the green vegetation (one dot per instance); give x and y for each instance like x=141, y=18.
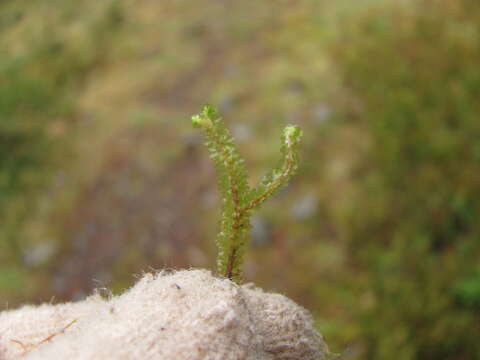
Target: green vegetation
x=101, y=177
x=237, y=198
x=413, y=223
x=40, y=77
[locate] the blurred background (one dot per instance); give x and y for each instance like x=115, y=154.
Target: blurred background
x=102, y=176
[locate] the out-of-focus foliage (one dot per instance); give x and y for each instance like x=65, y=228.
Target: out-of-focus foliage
x=43, y=65
x=101, y=175
x=413, y=78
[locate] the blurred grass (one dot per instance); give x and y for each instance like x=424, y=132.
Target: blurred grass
x=101, y=176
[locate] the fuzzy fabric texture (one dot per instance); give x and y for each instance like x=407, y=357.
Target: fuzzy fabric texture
x=183, y=315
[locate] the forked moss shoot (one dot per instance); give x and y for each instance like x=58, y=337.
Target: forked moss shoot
x=237, y=197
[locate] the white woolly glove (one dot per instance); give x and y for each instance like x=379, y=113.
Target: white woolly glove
x=186, y=315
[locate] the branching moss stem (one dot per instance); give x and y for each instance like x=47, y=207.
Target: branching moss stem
x=238, y=199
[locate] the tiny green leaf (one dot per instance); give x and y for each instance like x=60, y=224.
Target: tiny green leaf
x=209, y=111
x=196, y=120
x=201, y=121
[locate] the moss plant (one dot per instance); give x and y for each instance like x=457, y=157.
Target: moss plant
x=238, y=199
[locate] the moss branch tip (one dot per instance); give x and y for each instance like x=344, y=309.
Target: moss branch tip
x=292, y=134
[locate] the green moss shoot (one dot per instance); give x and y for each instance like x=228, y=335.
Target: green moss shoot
x=238, y=199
